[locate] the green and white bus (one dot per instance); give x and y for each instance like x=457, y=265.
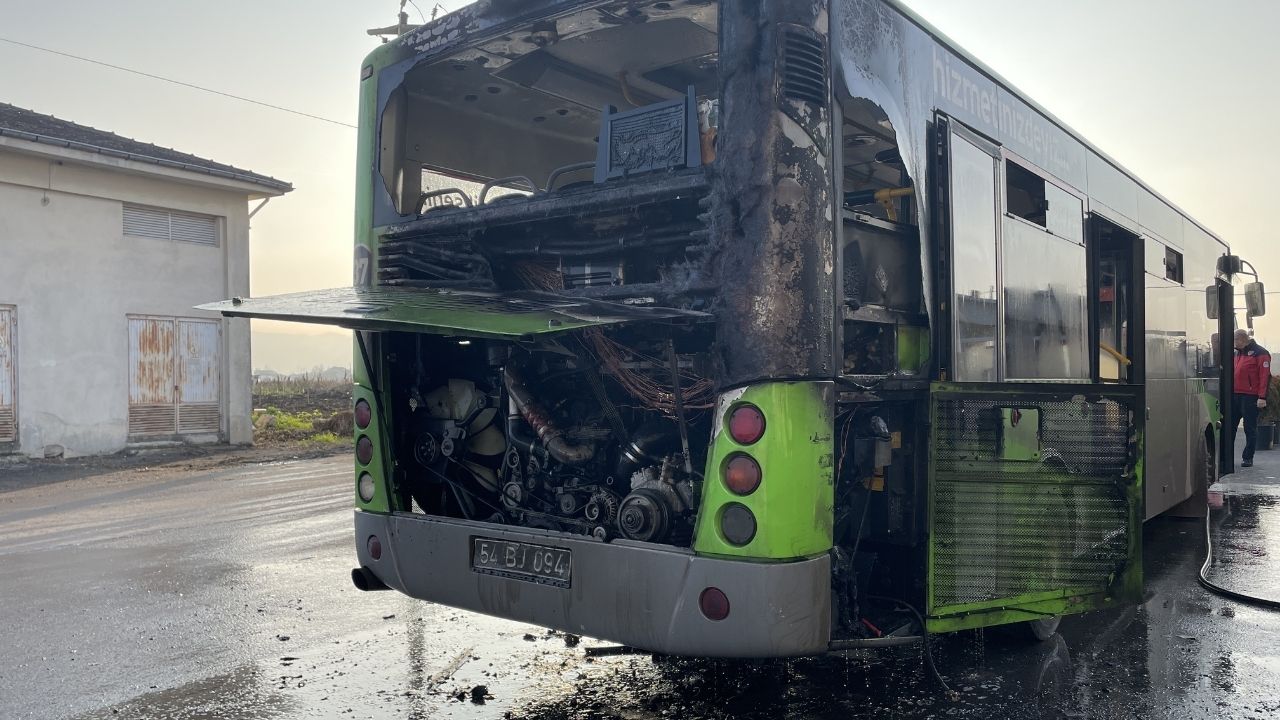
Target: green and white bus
x=736, y=329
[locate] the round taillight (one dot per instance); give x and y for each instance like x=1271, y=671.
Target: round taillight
x=714, y=604
x=738, y=524
x=742, y=473
x=364, y=450
x=746, y=424
x=363, y=414
x=366, y=487
x=375, y=547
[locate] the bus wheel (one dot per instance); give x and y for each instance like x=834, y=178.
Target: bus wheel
x=1042, y=629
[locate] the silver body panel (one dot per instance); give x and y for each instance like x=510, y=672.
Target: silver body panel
x=641, y=595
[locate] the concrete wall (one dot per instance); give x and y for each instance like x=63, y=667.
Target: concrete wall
x=74, y=277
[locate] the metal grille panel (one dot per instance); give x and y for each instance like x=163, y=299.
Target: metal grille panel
x=152, y=420
x=804, y=66
x=8, y=425
x=8, y=375
x=198, y=417
x=1008, y=528
x=194, y=228
x=146, y=222
x=168, y=225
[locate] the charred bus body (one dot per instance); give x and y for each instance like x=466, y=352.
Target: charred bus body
x=707, y=327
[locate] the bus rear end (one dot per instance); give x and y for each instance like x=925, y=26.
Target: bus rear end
x=589, y=390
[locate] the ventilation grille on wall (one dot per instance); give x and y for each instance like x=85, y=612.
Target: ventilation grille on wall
x=169, y=225
x=804, y=66
x=8, y=425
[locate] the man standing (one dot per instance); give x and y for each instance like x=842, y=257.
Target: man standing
x=1253, y=377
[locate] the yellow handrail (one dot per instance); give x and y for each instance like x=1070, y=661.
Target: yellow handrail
x=1115, y=354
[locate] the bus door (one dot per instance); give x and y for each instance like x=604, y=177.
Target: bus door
x=1035, y=491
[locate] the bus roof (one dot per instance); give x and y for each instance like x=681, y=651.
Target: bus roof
x=997, y=78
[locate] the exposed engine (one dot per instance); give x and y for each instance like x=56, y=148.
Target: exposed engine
x=548, y=437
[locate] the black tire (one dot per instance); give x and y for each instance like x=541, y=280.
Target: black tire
x=1042, y=629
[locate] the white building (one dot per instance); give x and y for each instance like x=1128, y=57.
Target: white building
x=106, y=244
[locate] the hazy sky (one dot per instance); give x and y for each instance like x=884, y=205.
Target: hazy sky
x=1183, y=93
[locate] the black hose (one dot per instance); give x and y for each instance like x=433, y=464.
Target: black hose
x=873, y=643
x=924, y=636
x=1212, y=587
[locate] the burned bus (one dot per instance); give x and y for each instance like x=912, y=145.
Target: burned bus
x=757, y=329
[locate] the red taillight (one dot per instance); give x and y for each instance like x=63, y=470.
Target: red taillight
x=375, y=547
x=363, y=414
x=714, y=604
x=746, y=424
x=364, y=450
x=742, y=473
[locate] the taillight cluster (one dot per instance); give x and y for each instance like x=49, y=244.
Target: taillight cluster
x=363, y=415
x=741, y=473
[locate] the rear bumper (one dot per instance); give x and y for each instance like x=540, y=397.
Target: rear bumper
x=637, y=594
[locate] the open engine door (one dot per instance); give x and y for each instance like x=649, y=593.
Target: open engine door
x=436, y=311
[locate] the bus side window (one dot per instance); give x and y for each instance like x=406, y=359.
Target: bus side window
x=973, y=249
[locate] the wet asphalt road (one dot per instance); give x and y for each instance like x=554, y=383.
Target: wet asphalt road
x=225, y=593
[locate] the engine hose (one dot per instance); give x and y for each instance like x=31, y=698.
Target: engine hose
x=924, y=637
x=873, y=643
x=1212, y=587
x=544, y=424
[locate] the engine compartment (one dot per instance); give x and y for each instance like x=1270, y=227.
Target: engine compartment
x=587, y=432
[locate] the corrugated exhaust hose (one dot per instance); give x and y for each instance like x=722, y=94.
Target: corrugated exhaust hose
x=544, y=424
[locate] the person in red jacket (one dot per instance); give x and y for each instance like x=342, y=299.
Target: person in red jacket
x=1253, y=377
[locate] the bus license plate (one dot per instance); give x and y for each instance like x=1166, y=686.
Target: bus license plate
x=522, y=561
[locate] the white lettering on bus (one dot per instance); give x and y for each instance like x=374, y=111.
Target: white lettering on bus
x=1011, y=121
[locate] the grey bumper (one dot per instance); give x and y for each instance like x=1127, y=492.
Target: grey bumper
x=637, y=594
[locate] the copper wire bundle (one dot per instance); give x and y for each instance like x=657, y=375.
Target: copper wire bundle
x=699, y=394
x=613, y=356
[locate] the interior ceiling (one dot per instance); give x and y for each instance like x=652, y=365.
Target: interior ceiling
x=636, y=50
x=556, y=77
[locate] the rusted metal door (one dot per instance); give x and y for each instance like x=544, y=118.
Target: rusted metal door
x=173, y=377
x=152, y=377
x=8, y=375
x=198, y=376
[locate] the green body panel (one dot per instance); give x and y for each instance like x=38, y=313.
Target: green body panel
x=1017, y=521
x=381, y=501
x=1020, y=434
x=913, y=348
x=468, y=313
x=1021, y=609
x=365, y=244
x=366, y=145
x=1212, y=413
x=793, y=505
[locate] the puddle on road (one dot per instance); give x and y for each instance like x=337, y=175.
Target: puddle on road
x=1245, y=529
